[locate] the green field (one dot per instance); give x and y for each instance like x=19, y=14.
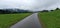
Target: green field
x=50, y=19
x=6, y=20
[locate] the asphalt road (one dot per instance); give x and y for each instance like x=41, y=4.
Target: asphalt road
x=28, y=22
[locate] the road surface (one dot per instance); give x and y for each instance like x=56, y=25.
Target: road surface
x=28, y=22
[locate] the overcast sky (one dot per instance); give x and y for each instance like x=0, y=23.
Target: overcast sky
x=30, y=4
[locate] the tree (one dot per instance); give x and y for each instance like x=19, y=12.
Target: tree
x=45, y=11
x=51, y=10
x=57, y=8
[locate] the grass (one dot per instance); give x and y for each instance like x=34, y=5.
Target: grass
x=51, y=19
x=6, y=20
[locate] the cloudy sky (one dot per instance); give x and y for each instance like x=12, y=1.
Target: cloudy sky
x=34, y=5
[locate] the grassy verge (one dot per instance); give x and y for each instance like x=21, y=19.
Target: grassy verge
x=6, y=20
x=50, y=19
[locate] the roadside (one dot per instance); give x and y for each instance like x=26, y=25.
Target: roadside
x=6, y=20
x=50, y=19
x=42, y=23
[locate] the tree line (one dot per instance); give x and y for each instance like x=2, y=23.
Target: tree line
x=12, y=11
x=49, y=10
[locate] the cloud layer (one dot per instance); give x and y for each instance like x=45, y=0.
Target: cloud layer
x=30, y=4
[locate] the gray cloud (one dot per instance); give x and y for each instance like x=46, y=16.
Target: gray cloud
x=34, y=5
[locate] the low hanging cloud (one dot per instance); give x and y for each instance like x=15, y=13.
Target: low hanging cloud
x=31, y=4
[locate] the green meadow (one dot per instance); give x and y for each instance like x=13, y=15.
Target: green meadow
x=7, y=20
x=50, y=19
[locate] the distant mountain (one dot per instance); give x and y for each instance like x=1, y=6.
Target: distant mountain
x=13, y=11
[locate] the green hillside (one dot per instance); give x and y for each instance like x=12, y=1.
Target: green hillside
x=50, y=19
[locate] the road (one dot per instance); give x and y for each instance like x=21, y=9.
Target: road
x=31, y=21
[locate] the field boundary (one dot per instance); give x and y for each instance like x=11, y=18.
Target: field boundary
x=42, y=24
x=20, y=20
